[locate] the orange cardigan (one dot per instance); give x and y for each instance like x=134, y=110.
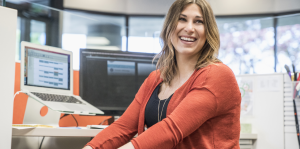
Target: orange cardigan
x=203, y=113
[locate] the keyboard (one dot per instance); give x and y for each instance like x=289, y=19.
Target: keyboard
x=57, y=98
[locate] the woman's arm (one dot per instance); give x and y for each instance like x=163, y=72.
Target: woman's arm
x=121, y=131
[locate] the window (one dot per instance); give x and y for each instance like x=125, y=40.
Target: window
x=37, y=32
x=288, y=42
x=92, y=31
x=247, y=46
x=144, y=34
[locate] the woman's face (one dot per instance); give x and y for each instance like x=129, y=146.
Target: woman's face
x=189, y=36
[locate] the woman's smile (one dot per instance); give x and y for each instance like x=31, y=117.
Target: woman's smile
x=188, y=41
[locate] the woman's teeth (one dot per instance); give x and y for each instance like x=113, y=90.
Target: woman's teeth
x=187, y=39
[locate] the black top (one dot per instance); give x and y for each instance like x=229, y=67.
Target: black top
x=151, y=111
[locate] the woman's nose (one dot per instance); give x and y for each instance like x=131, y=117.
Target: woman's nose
x=189, y=28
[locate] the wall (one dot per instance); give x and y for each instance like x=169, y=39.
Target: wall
x=262, y=107
x=111, y=6
x=160, y=7
x=8, y=25
x=240, y=7
x=155, y=7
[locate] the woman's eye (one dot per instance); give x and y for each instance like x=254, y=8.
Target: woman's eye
x=182, y=19
x=199, y=21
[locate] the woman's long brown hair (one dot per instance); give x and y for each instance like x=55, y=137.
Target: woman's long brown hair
x=208, y=54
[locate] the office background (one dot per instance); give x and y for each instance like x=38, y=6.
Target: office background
x=257, y=37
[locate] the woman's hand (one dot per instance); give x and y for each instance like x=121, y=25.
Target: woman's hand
x=87, y=147
x=127, y=146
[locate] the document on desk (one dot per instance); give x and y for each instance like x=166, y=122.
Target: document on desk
x=20, y=126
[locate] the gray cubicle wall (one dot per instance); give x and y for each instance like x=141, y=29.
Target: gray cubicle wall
x=8, y=25
x=265, y=103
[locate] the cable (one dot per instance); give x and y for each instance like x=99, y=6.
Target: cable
x=64, y=116
x=42, y=142
x=103, y=121
x=72, y=116
x=75, y=120
x=18, y=92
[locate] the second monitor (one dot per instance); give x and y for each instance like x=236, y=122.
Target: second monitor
x=109, y=80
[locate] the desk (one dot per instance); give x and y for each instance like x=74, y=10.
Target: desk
x=55, y=132
x=247, y=141
x=58, y=138
x=72, y=132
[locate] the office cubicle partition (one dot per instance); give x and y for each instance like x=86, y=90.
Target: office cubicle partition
x=8, y=25
x=267, y=110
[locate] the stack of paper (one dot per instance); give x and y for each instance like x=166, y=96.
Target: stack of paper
x=32, y=125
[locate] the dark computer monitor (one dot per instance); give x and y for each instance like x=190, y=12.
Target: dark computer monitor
x=109, y=80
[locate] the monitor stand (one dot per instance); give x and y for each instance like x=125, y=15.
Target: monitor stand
x=37, y=113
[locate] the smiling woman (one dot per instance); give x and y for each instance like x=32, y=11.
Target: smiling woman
x=192, y=100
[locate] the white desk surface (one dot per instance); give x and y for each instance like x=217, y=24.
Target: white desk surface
x=55, y=132
x=72, y=132
x=248, y=136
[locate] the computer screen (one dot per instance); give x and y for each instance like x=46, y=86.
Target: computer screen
x=109, y=80
x=48, y=69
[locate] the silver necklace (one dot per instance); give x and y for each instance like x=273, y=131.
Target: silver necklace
x=159, y=117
